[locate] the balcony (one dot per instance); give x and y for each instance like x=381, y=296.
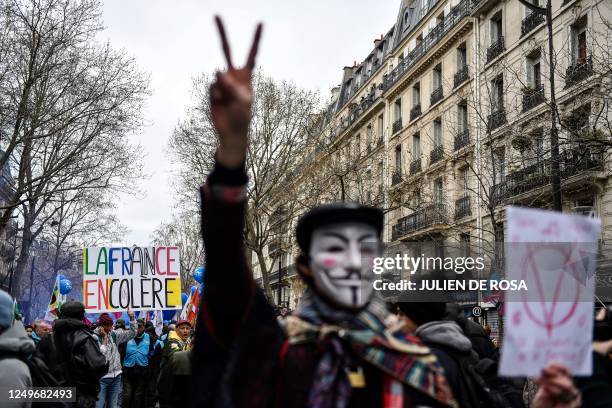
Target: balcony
x=415, y=166
x=530, y=22
x=462, y=207
x=578, y=72
x=451, y=20
x=571, y=163
x=462, y=139
x=415, y=112
x=436, y=95
x=533, y=98
x=436, y=154
x=496, y=119
x=396, y=177
x=397, y=125
x=495, y=49
x=429, y=216
x=461, y=76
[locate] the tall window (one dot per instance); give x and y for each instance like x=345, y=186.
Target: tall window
x=438, y=191
x=499, y=162
x=534, y=71
x=397, y=109
x=497, y=93
x=437, y=77
x=369, y=187
x=496, y=27
x=463, y=174
x=464, y=244
x=369, y=136
x=398, y=158
x=380, y=126
x=579, y=41
x=437, y=132
x=416, y=94
x=461, y=56
x=382, y=178
x=358, y=145
x=416, y=146
x=462, y=116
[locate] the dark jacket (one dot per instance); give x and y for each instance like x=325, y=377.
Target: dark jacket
x=174, y=385
x=241, y=354
x=73, y=355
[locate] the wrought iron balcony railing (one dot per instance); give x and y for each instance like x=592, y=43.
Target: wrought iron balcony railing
x=436, y=95
x=431, y=215
x=397, y=125
x=496, y=49
x=462, y=139
x=462, y=207
x=461, y=76
x=436, y=154
x=571, y=162
x=451, y=20
x=496, y=119
x=530, y=22
x=578, y=72
x=533, y=98
x=415, y=112
x=415, y=166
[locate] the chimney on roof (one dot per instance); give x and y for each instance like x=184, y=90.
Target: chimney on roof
x=382, y=36
x=354, y=63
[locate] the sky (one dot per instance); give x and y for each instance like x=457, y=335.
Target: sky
x=306, y=42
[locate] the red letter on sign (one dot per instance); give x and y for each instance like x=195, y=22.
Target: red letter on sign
x=157, y=263
x=87, y=294
x=169, y=260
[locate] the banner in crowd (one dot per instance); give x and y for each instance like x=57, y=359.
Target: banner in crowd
x=139, y=278
x=56, y=301
x=552, y=321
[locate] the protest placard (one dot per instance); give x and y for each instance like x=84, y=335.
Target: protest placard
x=552, y=321
x=139, y=278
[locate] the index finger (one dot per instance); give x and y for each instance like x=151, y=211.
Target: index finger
x=224, y=43
x=253, y=53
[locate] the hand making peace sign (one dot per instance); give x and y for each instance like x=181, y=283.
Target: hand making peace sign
x=231, y=97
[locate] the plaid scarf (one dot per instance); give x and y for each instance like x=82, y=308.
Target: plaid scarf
x=399, y=355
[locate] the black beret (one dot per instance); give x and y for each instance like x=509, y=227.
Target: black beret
x=423, y=312
x=72, y=309
x=335, y=213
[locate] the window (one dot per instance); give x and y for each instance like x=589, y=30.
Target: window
x=397, y=109
x=463, y=178
x=461, y=57
x=380, y=126
x=497, y=94
x=416, y=94
x=369, y=187
x=579, y=41
x=499, y=164
x=416, y=198
x=496, y=28
x=437, y=132
x=416, y=146
x=382, y=177
x=437, y=77
x=398, y=158
x=358, y=145
x=438, y=191
x=464, y=244
x=369, y=136
x=534, y=73
x=462, y=116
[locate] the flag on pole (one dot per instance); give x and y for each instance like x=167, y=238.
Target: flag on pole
x=56, y=301
x=186, y=307
x=192, y=312
x=158, y=322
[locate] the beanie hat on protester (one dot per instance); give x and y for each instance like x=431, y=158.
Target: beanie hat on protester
x=105, y=320
x=7, y=314
x=72, y=309
x=423, y=312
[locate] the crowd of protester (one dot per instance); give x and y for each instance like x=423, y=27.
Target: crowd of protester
x=111, y=364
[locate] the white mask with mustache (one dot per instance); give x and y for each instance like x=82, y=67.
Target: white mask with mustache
x=341, y=261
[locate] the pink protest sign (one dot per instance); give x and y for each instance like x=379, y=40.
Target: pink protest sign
x=552, y=321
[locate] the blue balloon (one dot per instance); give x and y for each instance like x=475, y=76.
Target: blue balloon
x=62, y=277
x=193, y=289
x=198, y=274
x=65, y=286
x=184, y=297
x=168, y=314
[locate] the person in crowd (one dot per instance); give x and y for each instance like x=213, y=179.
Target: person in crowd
x=154, y=366
x=174, y=385
x=110, y=340
x=178, y=340
x=15, y=347
x=29, y=329
x=41, y=330
x=135, y=367
x=557, y=390
x=120, y=324
x=73, y=355
x=336, y=351
x=481, y=342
